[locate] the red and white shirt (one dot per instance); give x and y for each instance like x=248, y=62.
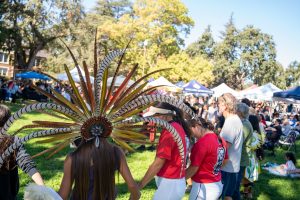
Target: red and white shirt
x=208, y=154
x=167, y=149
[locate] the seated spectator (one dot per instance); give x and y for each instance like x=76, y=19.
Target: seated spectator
x=289, y=165
x=286, y=127
x=292, y=121
x=262, y=120
x=276, y=131
x=275, y=116
x=267, y=116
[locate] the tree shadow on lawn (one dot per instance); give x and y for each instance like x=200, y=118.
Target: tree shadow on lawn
x=274, y=187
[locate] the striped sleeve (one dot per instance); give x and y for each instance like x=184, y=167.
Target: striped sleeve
x=25, y=162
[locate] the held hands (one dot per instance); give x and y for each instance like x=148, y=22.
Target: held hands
x=135, y=198
x=140, y=186
x=138, y=196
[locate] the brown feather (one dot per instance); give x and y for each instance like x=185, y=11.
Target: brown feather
x=89, y=87
x=95, y=56
x=122, y=87
x=116, y=72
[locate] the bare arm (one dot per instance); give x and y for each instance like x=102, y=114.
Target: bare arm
x=225, y=161
x=228, y=145
x=191, y=171
x=152, y=171
x=126, y=174
x=37, y=178
x=66, y=183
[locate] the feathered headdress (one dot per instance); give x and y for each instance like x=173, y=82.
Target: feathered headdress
x=96, y=112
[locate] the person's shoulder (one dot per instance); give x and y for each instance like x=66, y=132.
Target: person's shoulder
x=233, y=120
x=247, y=123
x=68, y=160
x=207, y=139
x=177, y=126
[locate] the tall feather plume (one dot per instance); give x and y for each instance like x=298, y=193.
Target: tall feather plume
x=61, y=85
x=95, y=56
x=82, y=83
x=77, y=94
x=19, y=142
x=39, y=106
x=103, y=65
x=144, y=100
x=135, y=84
x=103, y=91
x=112, y=85
x=59, y=99
x=121, y=88
x=89, y=86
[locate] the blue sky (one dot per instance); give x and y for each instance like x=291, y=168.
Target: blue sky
x=279, y=18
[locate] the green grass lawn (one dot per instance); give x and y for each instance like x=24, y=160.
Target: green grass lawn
x=266, y=188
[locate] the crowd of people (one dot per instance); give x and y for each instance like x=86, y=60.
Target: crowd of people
x=11, y=90
x=222, y=148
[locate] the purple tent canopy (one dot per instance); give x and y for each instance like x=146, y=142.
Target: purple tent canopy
x=194, y=87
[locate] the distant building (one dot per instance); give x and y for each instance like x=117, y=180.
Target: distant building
x=6, y=62
x=6, y=66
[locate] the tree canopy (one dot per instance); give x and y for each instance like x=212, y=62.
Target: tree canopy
x=185, y=68
x=27, y=26
x=241, y=55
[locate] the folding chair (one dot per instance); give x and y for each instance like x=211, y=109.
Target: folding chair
x=289, y=141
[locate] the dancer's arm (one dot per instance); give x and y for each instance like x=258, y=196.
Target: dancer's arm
x=37, y=178
x=126, y=174
x=191, y=171
x=27, y=165
x=152, y=171
x=66, y=183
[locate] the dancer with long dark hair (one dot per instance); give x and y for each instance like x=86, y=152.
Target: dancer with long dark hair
x=167, y=165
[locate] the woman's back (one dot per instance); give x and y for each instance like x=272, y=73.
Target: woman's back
x=168, y=149
x=102, y=163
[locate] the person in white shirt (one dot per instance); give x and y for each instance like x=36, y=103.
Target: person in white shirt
x=232, y=132
x=286, y=127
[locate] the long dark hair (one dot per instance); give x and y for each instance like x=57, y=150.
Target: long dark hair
x=178, y=117
x=291, y=156
x=99, y=163
x=253, y=119
x=4, y=114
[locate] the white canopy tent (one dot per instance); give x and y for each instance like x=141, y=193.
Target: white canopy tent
x=262, y=93
x=74, y=74
x=286, y=100
x=222, y=89
x=119, y=80
x=165, y=84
